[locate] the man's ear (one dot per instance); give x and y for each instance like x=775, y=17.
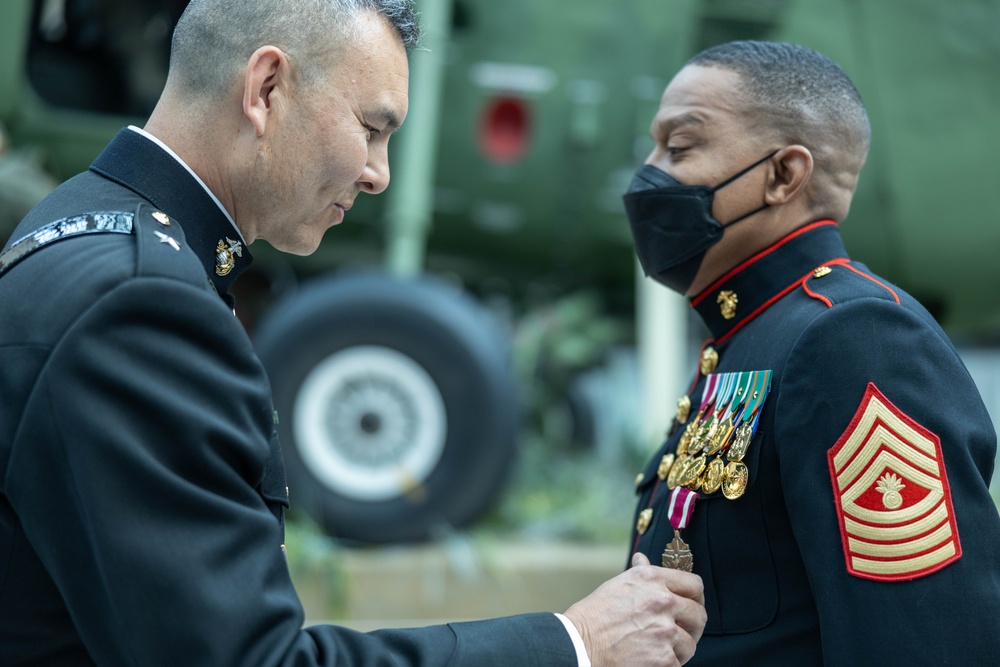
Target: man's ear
x=267, y=81
x=792, y=167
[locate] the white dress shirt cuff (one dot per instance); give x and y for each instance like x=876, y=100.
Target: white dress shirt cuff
x=581, y=651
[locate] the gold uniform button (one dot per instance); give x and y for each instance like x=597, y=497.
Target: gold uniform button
x=709, y=360
x=639, y=478
x=161, y=218
x=645, y=518
x=822, y=271
x=683, y=409
x=663, y=469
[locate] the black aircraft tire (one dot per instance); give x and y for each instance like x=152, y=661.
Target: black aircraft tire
x=397, y=403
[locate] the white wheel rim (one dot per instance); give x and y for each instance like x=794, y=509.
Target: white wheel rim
x=370, y=423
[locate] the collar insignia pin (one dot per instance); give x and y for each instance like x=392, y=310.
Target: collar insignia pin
x=169, y=240
x=822, y=271
x=224, y=256
x=727, y=301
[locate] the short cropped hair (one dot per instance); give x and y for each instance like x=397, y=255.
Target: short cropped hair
x=214, y=39
x=800, y=95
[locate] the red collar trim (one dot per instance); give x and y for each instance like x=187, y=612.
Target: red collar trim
x=763, y=253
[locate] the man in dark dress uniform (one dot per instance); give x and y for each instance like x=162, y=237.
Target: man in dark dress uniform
x=827, y=472
x=141, y=485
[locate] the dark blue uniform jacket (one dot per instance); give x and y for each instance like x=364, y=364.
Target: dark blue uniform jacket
x=815, y=564
x=141, y=488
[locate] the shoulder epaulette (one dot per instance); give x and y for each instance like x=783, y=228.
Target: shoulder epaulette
x=96, y=222
x=840, y=281
x=162, y=249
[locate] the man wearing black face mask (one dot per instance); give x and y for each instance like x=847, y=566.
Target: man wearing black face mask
x=827, y=472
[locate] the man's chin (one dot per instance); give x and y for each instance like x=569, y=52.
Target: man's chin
x=300, y=247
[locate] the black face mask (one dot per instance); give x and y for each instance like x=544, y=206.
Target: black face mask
x=672, y=224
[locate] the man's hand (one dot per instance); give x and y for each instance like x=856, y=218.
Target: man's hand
x=645, y=616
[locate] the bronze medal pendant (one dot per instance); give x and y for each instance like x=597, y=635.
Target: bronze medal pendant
x=734, y=480
x=712, y=479
x=677, y=554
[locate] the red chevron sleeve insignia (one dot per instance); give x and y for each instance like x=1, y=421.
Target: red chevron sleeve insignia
x=893, y=501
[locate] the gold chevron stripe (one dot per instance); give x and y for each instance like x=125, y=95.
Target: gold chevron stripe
x=903, y=548
x=903, y=434
x=898, y=532
x=906, y=566
x=869, y=449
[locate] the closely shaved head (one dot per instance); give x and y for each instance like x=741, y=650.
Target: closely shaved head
x=794, y=95
x=214, y=39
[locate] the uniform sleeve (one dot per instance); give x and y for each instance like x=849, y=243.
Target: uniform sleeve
x=135, y=475
x=878, y=384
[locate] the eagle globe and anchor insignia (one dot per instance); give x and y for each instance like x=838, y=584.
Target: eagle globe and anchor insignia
x=225, y=256
x=893, y=500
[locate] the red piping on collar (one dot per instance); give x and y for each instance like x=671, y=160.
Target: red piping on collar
x=763, y=253
x=770, y=302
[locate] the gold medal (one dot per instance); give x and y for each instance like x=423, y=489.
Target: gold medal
x=705, y=430
x=712, y=479
x=688, y=436
x=741, y=441
x=677, y=554
x=675, y=470
x=734, y=480
x=720, y=438
x=664, y=468
x=693, y=468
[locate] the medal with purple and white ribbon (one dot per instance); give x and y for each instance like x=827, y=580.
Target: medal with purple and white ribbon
x=677, y=555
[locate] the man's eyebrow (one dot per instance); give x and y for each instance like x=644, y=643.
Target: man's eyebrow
x=662, y=127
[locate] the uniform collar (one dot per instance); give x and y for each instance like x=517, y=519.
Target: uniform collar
x=752, y=287
x=138, y=163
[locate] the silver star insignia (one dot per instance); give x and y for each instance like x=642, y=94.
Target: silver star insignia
x=169, y=240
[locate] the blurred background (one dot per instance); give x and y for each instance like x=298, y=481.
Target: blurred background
x=470, y=371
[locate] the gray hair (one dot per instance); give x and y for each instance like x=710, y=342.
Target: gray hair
x=798, y=95
x=214, y=39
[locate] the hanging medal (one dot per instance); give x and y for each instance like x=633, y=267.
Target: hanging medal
x=711, y=479
x=686, y=445
x=677, y=554
x=694, y=461
x=736, y=475
x=761, y=385
x=724, y=421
